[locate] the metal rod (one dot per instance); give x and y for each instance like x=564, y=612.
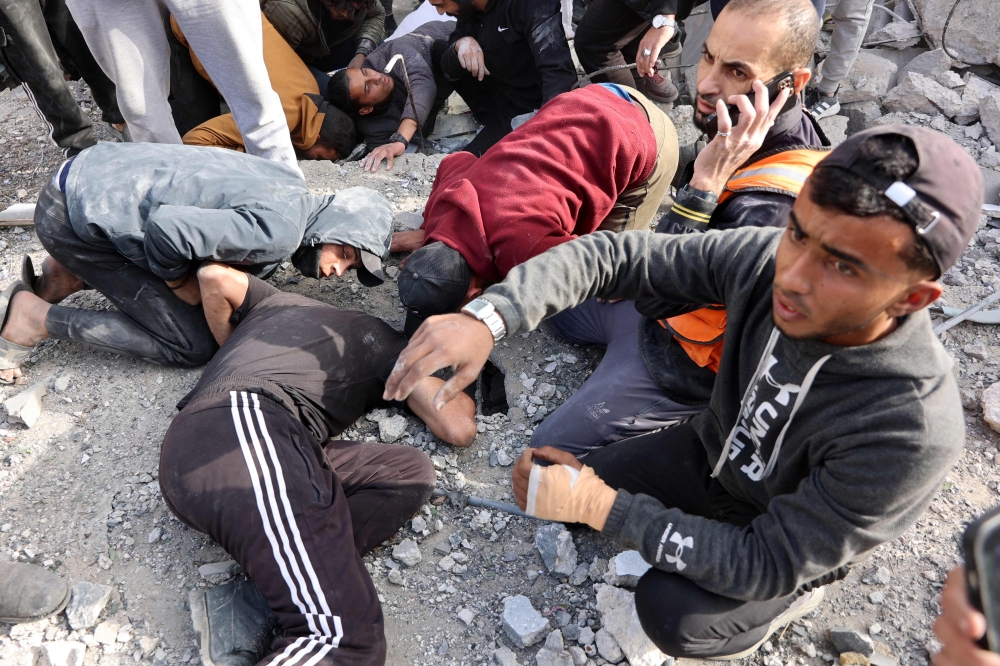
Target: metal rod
x=472, y=500
x=965, y=314
x=409, y=92
x=890, y=12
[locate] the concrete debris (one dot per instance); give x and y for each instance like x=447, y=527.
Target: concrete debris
x=854, y=659
x=154, y=535
x=391, y=429
x=879, y=576
x=976, y=88
x=608, y=647
x=597, y=569
x=547, y=657
x=977, y=350
x=932, y=64
x=973, y=28
x=147, y=644
x=407, y=552
x=62, y=653
x=869, y=79
x=860, y=115
x=619, y=617
x=523, y=624
x=396, y=577
x=466, y=616
x=62, y=383
x=991, y=406
x=26, y=406
x=106, y=632
x=846, y=639
x=86, y=602
x=418, y=524
x=835, y=128
x=555, y=544
x=922, y=94
x=897, y=35
x=586, y=636
x=625, y=569
x=579, y=575
x=407, y=221
x=545, y=391
x=217, y=568
x=503, y=656
x=989, y=115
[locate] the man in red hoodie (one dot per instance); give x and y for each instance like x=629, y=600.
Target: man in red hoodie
x=592, y=159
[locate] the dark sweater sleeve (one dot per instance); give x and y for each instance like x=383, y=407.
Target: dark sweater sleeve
x=547, y=41
x=647, y=9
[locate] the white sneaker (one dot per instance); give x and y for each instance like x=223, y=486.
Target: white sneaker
x=801, y=607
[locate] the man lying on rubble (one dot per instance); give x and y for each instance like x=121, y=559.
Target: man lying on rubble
x=378, y=101
x=254, y=460
x=656, y=373
x=835, y=415
x=599, y=157
x=319, y=130
x=134, y=220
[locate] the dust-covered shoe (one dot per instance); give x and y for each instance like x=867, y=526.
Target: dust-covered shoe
x=659, y=89
x=233, y=624
x=822, y=106
x=29, y=592
x=801, y=607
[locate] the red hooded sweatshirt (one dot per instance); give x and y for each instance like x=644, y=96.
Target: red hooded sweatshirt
x=547, y=182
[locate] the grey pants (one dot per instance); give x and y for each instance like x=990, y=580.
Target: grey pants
x=151, y=323
x=620, y=399
x=850, y=19
x=129, y=40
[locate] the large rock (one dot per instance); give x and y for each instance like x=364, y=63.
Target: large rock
x=916, y=92
x=991, y=406
x=973, y=31
x=555, y=544
x=608, y=647
x=625, y=569
x=619, y=617
x=835, y=129
x=523, y=624
x=86, y=602
x=932, y=64
x=975, y=90
x=989, y=116
x=870, y=78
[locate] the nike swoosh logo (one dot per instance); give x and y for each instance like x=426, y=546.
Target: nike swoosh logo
x=502, y=29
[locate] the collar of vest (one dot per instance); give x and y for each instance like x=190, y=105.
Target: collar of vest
x=783, y=171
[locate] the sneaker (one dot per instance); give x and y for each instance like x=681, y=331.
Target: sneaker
x=659, y=89
x=801, y=607
x=675, y=46
x=232, y=623
x=823, y=106
x=29, y=593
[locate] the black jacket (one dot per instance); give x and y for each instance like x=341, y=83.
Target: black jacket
x=525, y=47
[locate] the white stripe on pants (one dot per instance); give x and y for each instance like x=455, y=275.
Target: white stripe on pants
x=128, y=39
x=278, y=521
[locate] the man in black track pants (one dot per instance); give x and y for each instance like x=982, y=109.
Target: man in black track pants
x=253, y=461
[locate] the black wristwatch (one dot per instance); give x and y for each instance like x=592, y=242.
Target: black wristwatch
x=399, y=138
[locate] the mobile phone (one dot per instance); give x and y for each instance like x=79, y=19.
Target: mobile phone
x=774, y=86
x=981, y=543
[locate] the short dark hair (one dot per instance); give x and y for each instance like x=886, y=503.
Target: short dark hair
x=892, y=155
x=801, y=28
x=338, y=132
x=353, y=8
x=338, y=93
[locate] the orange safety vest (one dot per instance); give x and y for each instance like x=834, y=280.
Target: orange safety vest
x=700, y=333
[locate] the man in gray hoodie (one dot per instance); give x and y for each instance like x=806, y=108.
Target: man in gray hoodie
x=135, y=220
x=835, y=415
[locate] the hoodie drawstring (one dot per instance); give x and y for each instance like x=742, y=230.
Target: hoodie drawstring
x=807, y=383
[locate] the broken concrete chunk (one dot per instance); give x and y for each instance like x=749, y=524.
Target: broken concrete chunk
x=547, y=657
x=106, y=632
x=991, y=406
x=921, y=94
x=466, y=616
x=579, y=575
x=869, y=79
x=989, y=115
x=523, y=624
x=619, y=617
x=503, y=656
x=408, y=221
x=418, y=524
x=897, y=35
x=973, y=28
x=835, y=128
x=391, y=429
x=406, y=551
x=932, y=64
x=976, y=88
x=555, y=544
x=625, y=569
x=86, y=602
x=854, y=659
x=846, y=639
x=217, y=568
x=860, y=115
x=608, y=647
x=977, y=350
x=26, y=406
x=61, y=653
x=62, y=383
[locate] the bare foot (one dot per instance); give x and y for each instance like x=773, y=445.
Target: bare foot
x=10, y=376
x=56, y=283
x=407, y=241
x=26, y=320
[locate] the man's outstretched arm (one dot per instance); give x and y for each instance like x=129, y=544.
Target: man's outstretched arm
x=223, y=289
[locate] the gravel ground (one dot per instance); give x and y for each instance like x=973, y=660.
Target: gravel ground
x=78, y=491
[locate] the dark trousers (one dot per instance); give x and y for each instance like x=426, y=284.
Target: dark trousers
x=193, y=99
x=609, y=34
x=34, y=38
x=390, y=19
x=681, y=618
x=151, y=323
x=297, y=516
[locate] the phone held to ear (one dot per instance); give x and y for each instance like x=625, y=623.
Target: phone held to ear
x=774, y=86
x=981, y=543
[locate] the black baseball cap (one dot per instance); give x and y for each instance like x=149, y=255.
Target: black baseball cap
x=942, y=199
x=434, y=280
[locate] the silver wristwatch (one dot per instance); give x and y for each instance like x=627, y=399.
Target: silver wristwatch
x=661, y=21
x=484, y=311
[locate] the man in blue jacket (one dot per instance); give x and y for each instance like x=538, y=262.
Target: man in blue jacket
x=134, y=221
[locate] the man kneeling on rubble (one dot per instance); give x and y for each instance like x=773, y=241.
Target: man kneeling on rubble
x=134, y=221
x=599, y=157
x=254, y=461
x=833, y=420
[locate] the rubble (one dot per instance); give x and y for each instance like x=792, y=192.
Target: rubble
x=991, y=406
x=553, y=652
x=407, y=221
x=973, y=30
x=106, y=632
x=407, y=552
x=897, y=35
x=835, y=128
x=625, y=569
x=26, y=406
x=608, y=647
x=217, y=568
x=391, y=429
x=61, y=653
x=86, y=602
x=860, y=115
x=869, y=79
x=555, y=545
x=522, y=623
x=851, y=640
x=619, y=617
x=916, y=92
x=932, y=64
x=989, y=115
x=503, y=656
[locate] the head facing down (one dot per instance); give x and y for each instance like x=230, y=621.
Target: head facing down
x=345, y=10
x=879, y=220
x=754, y=40
x=458, y=8
x=360, y=90
x=435, y=280
x=337, y=135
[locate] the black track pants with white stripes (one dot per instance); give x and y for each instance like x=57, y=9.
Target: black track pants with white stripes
x=297, y=516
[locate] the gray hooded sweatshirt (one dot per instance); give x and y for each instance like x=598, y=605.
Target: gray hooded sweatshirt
x=840, y=448
x=164, y=207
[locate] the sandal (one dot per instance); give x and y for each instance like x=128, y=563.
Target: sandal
x=28, y=274
x=11, y=355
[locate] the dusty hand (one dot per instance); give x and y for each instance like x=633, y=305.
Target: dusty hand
x=960, y=626
x=407, y=241
x=455, y=341
x=522, y=468
x=724, y=154
x=654, y=40
x=388, y=152
x=471, y=57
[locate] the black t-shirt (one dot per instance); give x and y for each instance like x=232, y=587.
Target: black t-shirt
x=331, y=363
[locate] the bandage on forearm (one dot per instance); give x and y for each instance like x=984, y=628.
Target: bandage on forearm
x=564, y=494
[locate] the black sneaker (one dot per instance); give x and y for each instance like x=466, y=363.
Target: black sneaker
x=233, y=624
x=822, y=106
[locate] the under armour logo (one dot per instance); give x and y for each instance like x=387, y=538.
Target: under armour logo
x=682, y=543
